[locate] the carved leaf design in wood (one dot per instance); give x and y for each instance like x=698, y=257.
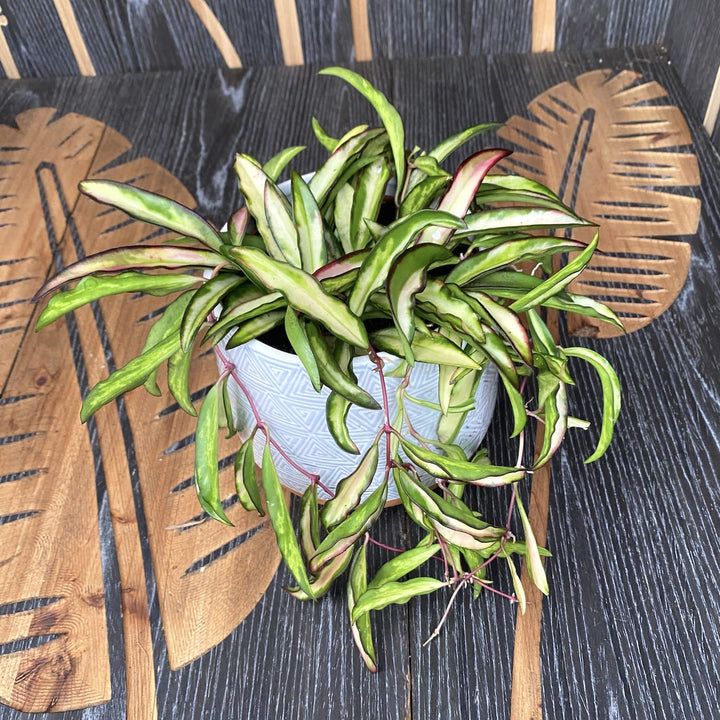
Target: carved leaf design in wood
x=53, y=638
x=612, y=147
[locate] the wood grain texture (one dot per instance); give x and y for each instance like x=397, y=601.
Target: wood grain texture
x=599, y=142
x=217, y=32
x=712, y=110
x=629, y=629
x=406, y=29
x=361, y=30
x=53, y=642
x=289, y=29
x=693, y=43
x=69, y=23
x=543, y=25
x=326, y=31
x=611, y=23
x=7, y=62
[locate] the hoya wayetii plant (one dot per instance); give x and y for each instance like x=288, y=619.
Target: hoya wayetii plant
x=459, y=274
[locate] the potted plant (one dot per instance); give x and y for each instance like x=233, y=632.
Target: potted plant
x=401, y=293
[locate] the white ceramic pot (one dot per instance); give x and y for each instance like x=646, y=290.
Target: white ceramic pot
x=295, y=412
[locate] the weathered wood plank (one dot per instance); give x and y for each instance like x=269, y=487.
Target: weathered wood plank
x=611, y=23
x=693, y=43
x=461, y=27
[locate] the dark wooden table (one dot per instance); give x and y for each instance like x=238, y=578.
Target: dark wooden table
x=630, y=629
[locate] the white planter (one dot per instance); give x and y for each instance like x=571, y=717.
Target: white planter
x=295, y=413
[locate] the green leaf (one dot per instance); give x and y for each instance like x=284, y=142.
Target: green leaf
x=509, y=253
x=276, y=164
x=323, y=138
x=395, y=593
x=303, y=292
x=376, y=265
x=203, y=301
x=557, y=282
x=462, y=190
x=333, y=170
x=295, y=331
x=367, y=199
x=128, y=377
x=207, y=480
x=456, y=311
x=534, y=562
x=255, y=327
x=423, y=194
x=349, y=530
x=166, y=325
x=443, y=466
x=611, y=396
x=93, y=288
x=350, y=489
x=336, y=412
x=407, y=277
x=125, y=258
x=281, y=522
x=432, y=348
x=152, y=208
x=246, y=481
x=452, y=143
x=309, y=521
x=402, y=564
x=556, y=416
x=280, y=222
x=178, y=371
x=388, y=114
x=324, y=580
x=517, y=584
x=331, y=373
x=523, y=219
x=309, y=223
x=245, y=305
x=360, y=626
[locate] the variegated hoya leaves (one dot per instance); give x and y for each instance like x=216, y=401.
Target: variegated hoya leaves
x=461, y=276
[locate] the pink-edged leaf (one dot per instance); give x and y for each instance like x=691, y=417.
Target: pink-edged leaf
x=461, y=192
x=128, y=258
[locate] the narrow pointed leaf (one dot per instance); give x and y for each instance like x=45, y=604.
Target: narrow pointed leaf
x=522, y=219
x=462, y=190
x=509, y=253
x=407, y=277
x=367, y=198
x=96, y=287
x=303, y=292
x=377, y=265
x=336, y=412
x=611, y=396
x=352, y=528
x=395, y=593
x=309, y=521
x=331, y=373
x=534, y=561
x=388, y=114
x=128, y=377
x=295, y=331
x=207, y=480
x=402, y=564
x=281, y=225
x=203, y=301
x=556, y=416
x=360, y=625
x=350, y=489
x=178, y=373
x=126, y=258
x=281, y=522
x=152, y=208
x=456, y=311
x=323, y=138
x=246, y=481
x=557, y=282
x=452, y=143
x=276, y=164
x=423, y=194
x=324, y=580
x=309, y=224
x=517, y=585
x=255, y=327
x=433, y=348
